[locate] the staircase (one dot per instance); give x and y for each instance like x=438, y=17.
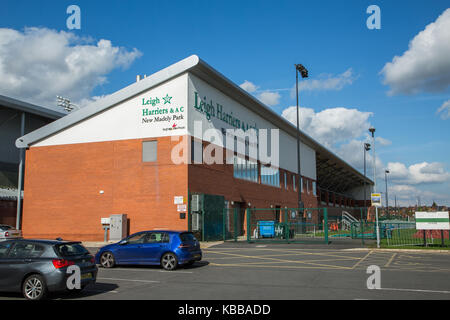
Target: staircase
x=347, y=220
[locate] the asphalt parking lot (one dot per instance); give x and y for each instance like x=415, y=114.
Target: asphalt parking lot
x=277, y=271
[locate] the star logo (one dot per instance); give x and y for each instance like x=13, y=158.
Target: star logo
x=167, y=99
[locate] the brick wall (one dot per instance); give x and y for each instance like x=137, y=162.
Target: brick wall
x=8, y=210
x=63, y=183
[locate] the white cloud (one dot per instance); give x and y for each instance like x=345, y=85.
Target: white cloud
x=330, y=126
x=444, y=110
x=419, y=173
x=38, y=64
x=326, y=82
x=382, y=141
x=425, y=66
x=408, y=195
x=344, y=131
x=249, y=86
x=269, y=98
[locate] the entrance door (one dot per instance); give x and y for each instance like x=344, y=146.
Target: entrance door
x=213, y=217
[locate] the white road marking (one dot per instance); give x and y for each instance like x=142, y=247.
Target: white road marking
x=133, y=280
x=416, y=290
x=101, y=291
x=145, y=270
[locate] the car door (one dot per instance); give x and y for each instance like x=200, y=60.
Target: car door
x=131, y=251
x=21, y=259
x=156, y=243
x=4, y=264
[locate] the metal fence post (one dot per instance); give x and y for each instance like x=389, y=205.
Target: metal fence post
x=287, y=230
x=325, y=224
x=248, y=225
x=235, y=224
x=361, y=230
x=224, y=212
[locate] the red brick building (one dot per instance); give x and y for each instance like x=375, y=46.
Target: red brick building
x=146, y=150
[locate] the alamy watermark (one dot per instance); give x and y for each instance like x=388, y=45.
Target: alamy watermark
x=374, y=281
x=74, y=20
x=374, y=20
x=223, y=145
x=74, y=280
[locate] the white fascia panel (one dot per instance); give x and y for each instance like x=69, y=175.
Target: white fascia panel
x=158, y=112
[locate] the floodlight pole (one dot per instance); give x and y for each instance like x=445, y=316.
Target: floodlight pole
x=387, y=199
x=298, y=146
x=366, y=148
x=372, y=131
x=304, y=73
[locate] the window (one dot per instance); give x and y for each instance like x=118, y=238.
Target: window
x=26, y=250
x=285, y=180
x=4, y=247
x=149, y=151
x=301, y=185
x=187, y=237
x=314, y=188
x=245, y=169
x=71, y=249
x=270, y=176
x=5, y=227
x=196, y=152
x=139, y=238
x=293, y=183
x=157, y=237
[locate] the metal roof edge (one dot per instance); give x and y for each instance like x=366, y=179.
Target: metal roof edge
x=30, y=108
x=203, y=70
x=267, y=113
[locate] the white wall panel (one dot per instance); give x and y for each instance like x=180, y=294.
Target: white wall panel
x=128, y=120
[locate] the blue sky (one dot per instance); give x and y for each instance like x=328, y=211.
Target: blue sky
x=259, y=42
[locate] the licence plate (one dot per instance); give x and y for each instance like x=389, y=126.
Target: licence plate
x=86, y=276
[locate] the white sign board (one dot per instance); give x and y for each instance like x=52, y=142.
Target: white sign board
x=376, y=199
x=432, y=221
x=182, y=208
x=178, y=200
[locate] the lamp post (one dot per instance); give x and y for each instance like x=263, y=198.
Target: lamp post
x=366, y=148
x=372, y=131
x=304, y=73
x=66, y=104
x=387, y=199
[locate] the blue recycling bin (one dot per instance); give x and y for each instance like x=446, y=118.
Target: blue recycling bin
x=266, y=229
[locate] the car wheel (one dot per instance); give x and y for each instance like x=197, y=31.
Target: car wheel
x=169, y=261
x=107, y=260
x=34, y=287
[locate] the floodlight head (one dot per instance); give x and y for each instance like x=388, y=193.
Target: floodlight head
x=303, y=71
x=367, y=146
x=372, y=131
x=387, y=171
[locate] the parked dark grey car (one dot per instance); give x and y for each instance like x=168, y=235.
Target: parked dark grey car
x=36, y=267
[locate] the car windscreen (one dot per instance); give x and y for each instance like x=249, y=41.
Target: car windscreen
x=5, y=227
x=187, y=237
x=71, y=249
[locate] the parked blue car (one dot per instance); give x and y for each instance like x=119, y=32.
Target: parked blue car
x=169, y=249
